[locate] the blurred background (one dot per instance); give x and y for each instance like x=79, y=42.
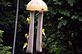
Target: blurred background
x=62, y=25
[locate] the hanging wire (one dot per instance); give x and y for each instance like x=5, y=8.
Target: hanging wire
x=15, y=31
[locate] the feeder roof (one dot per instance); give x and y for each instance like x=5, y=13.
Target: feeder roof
x=36, y=5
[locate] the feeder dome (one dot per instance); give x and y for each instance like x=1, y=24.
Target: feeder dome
x=36, y=5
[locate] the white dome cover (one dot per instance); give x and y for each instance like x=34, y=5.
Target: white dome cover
x=36, y=5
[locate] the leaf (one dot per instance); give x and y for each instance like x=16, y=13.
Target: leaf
x=71, y=2
x=64, y=12
x=70, y=43
x=74, y=17
x=57, y=50
x=8, y=52
x=1, y=31
x=80, y=18
x=1, y=40
x=60, y=18
x=55, y=0
x=1, y=45
x=61, y=23
x=64, y=22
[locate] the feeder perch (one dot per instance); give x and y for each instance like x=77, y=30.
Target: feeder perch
x=32, y=6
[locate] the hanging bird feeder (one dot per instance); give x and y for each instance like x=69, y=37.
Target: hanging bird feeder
x=32, y=6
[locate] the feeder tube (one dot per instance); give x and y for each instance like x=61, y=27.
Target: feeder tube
x=39, y=33
x=31, y=33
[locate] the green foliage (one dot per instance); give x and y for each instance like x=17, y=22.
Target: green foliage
x=1, y=32
x=61, y=23
x=64, y=11
x=3, y=49
x=71, y=2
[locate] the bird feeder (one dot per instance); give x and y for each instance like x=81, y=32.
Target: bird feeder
x=32, y=6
